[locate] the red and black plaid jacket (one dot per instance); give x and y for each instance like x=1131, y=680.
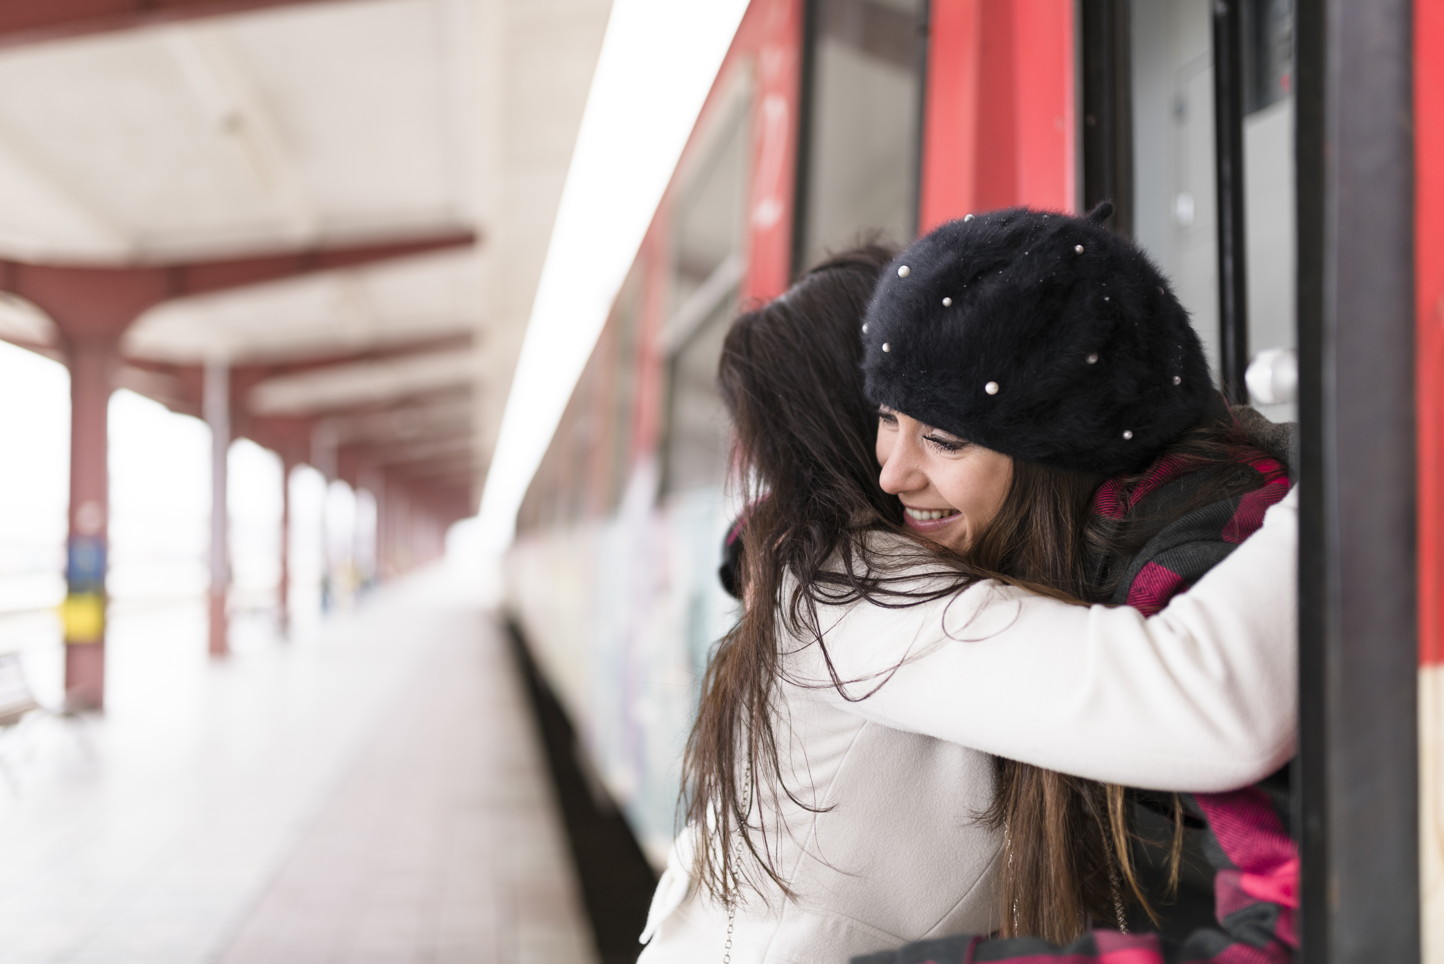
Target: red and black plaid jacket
x=1245, y=832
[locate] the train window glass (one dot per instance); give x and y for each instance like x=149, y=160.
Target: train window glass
x=1175, y=162
x=1268, y=154
x=706, y=272
x=576, y=434
x=1268, y=54
x=1175, y=199
x=623, y=327
x=697, y=443
x=861, y=155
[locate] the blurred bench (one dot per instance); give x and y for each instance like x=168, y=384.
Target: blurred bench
x=16, y=703
x=16, y=700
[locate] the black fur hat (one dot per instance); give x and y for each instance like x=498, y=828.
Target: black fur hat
x=1040, y=335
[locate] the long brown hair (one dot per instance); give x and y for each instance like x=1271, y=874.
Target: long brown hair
x=1067, y=848
x=791, y=378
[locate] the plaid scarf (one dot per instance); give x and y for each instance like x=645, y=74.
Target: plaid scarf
x=1197, y=539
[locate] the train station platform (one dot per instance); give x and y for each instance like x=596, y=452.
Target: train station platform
x=373, y=790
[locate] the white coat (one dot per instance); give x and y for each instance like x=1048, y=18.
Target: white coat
x=1198, y=698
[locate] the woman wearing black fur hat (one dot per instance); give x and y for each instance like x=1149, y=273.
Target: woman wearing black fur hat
x=1040, y=386
x=834, y=809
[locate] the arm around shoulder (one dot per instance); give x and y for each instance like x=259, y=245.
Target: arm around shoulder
x=1199, y=698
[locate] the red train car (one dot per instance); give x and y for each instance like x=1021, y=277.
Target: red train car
x=1282, y=164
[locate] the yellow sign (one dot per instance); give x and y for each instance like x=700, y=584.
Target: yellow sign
x=83, y=616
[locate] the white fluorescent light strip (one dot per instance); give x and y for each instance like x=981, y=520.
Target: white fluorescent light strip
x=658, y=61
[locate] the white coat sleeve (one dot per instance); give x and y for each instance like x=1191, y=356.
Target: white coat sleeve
x=1198, y=698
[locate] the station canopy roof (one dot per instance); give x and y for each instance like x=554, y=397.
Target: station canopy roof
x=137, y=133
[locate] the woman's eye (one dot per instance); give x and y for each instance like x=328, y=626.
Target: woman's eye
x=944, y=444
x=887, y=418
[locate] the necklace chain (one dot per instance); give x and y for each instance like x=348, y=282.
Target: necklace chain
x=1117, y=889
x=736, y=867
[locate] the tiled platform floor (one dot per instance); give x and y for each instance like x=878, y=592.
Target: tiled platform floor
x=374, y=792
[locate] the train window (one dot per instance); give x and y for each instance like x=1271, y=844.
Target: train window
x=1177, y=157
x=1269, y=182
x=1175, y=204
x=1268, y=54
x=863, y=99
x=622, y=328
x=706, y=274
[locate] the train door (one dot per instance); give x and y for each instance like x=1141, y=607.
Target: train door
x=1263, y=153
x=1359, y=750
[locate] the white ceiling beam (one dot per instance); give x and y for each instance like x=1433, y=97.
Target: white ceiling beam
x=424, y=450
x=406, y=421
x=361, y=383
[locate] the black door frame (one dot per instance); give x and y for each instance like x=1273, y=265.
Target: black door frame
x=1356, y=788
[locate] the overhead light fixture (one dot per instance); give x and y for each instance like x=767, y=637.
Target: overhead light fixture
x=658, y=61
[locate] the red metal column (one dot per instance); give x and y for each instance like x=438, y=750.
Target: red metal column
x=400, y=529
x=774, y=154
x=1429, y=386
x=323, y=458
x=651, y=358
x=1429, y=305
x=217, y=405
x=92, y=307
x=1044, y=98
x=376, y=486
x=92, y=368
x=283, y=585
x=384, y=537
x=998, y=128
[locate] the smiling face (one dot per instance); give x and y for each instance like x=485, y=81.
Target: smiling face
x=950, y=488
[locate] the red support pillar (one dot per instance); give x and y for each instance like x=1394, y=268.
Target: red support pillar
x=283, y=586
x=92, y=307
x=92, y=366
x=376, y=487
x=383, y=529
x=401, y=530
x=217, y=405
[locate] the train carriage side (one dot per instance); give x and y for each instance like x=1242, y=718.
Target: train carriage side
x=1214, y=125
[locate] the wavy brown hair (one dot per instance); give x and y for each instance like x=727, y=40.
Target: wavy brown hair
x=791, y=378
x=1067, y=850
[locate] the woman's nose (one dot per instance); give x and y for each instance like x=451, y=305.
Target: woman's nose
x=899, y=469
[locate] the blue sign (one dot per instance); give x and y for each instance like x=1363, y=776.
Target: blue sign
x=85, y=563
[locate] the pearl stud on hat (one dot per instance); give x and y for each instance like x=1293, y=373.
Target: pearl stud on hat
x=903, y=271
x=1093, y=358
x=991, y=388
x=886, y=346
x=947, y=302
x=1078, y=248
x=1127, y=434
